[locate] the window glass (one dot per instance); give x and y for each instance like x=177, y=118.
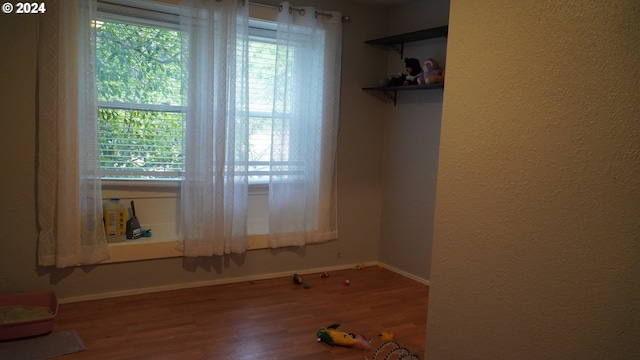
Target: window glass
x=262, y=58
x=141, y=111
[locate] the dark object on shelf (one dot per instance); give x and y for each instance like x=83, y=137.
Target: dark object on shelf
x=397, y=80
x=414, y=70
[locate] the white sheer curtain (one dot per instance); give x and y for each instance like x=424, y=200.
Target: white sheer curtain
x=71, y=231
x=302, y=188
x=214, y=189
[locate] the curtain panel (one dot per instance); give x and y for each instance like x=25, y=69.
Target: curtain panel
x=302, y=184
x=69, y=195
x=302, y=195
x=215, y=184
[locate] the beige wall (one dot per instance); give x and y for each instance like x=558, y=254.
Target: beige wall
x=359, y=183
x=536, y=247
x=411, y=142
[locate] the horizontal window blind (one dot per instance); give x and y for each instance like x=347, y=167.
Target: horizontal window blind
x=141, y=143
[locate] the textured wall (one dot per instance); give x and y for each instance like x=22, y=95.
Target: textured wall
x=536, y=247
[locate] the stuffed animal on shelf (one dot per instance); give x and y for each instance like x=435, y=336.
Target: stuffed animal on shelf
x=334, y=337
x=432, y=72
x=397, y=80
x=414, y=70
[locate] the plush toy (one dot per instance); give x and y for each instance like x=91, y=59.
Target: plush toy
x=334, y=337
x=432, y=72
x=397, y=80
x=414, y=70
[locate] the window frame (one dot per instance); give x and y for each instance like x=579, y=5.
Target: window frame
x=166, y=16
x=153, y=14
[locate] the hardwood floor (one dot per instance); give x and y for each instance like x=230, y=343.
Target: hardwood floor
x=266, y=319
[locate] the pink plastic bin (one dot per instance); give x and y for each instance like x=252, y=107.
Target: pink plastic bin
x=22, y=329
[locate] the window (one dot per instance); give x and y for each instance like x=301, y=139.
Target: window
x=141, y=111
x=262, y=60
x=291, y=141
x=139, y=101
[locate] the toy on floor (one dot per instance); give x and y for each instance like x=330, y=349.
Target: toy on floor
x=334, y=337
x=297, y=279
x=385, y=336
x=392, y=348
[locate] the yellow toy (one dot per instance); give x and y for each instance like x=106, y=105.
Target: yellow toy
x=386, y=336
x=333, y=337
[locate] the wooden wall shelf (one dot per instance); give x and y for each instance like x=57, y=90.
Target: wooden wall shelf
x=397, y=43
x=391, y=92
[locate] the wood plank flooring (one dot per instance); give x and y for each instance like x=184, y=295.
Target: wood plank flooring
x=266, y=319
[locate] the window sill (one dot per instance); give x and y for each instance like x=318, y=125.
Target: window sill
x=163, y=247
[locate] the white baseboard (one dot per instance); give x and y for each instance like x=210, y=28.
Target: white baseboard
x=195, y=284
x=406, y=274
x=72, y=299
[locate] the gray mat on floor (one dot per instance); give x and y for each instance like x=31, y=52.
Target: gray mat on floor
x=42, y=347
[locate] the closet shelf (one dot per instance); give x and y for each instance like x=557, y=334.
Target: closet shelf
x=397, y=41
x=391, y=92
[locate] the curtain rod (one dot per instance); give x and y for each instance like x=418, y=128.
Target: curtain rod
x=300, y=11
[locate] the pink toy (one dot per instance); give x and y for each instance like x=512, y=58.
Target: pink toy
x=432, y=72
